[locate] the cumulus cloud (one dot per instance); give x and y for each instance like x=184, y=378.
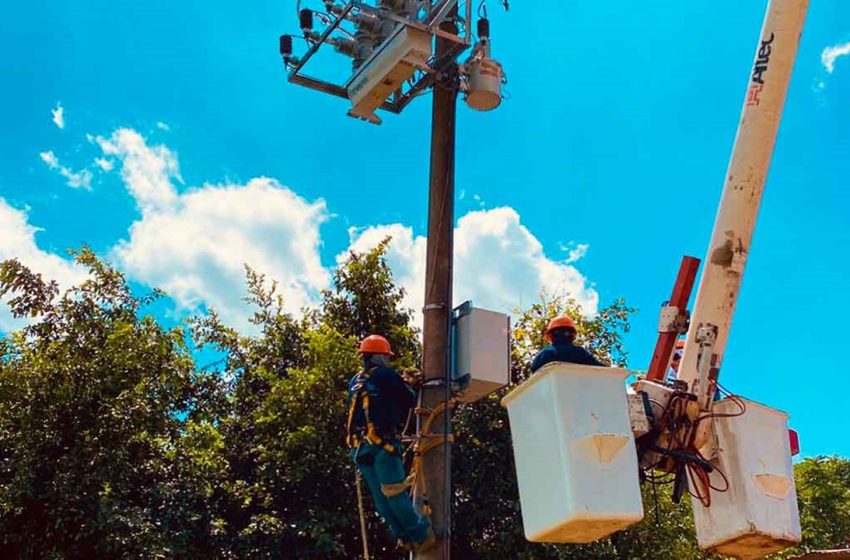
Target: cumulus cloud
x=147, y=171
x=194, y=245
x=499, y=263
x=58, y=115
x=193, y=242
x=104, y=164
x=833, y=53
x=17, y=240
x=76, y=179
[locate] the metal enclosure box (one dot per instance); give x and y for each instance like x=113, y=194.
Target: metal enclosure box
x=482, y=357
x=758, y=514
x=393, y=62
x=575, y=456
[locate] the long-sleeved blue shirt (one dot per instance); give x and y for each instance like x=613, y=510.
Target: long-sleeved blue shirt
x=390, y=399
x=563, y=352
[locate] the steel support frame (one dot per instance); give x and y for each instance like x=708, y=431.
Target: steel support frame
x=401, y=99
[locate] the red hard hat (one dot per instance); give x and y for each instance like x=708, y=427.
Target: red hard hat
x=376, y=344
x=561, y=322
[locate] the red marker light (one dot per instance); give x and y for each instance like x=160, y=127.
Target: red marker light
x=794, y=438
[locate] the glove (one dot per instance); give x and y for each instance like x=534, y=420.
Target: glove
x=412, y=379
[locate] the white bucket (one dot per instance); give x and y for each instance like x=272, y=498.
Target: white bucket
x=758, y=514
x=575, y=455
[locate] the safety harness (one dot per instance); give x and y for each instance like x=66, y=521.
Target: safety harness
x=355, y=435
x=420, y=444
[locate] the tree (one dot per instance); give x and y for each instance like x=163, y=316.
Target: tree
x=823, y=493
x=284, y=434
x=89, y=399
x=113, y=443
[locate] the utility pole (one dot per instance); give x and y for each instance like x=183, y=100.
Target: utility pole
x=393, y=63
x=436, y=359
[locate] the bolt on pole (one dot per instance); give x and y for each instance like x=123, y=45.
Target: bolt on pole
x=438, y=292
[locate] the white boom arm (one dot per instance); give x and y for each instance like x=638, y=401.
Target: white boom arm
x=724, y=264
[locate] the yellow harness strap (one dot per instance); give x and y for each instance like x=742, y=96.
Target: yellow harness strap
x=361, y=398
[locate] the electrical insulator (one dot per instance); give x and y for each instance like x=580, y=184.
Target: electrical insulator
x=305, y=16
x=368, y=24
x=483, y=28
x=286, y=46
x=346, y=46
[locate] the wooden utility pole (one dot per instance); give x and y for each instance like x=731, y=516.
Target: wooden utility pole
x=438, y=291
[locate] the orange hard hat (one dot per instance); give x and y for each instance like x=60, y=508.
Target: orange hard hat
x=680, y=344
x=560, y=322
x=376, y=344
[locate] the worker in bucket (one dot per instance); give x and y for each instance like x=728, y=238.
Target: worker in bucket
x=676, y=360
x=561, y=334
x=379, y=401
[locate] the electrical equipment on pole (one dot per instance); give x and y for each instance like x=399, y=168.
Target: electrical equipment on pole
x=391, y=46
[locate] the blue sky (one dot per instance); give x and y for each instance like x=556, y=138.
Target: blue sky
x=183, y=153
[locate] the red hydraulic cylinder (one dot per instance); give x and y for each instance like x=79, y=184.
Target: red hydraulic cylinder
x=666, y=334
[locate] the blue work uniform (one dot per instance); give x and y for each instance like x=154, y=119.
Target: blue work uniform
x=379, y=460
x=563, y=352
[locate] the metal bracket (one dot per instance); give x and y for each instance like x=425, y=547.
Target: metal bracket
x=461, y=310
x=673, y=319
x=706, y=336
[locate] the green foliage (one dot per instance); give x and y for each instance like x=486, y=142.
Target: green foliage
x=823, y=492
x=89, y=396
x=113, y=444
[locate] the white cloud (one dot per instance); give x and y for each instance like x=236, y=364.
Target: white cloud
x=575, y=251
x=76, y=179
x=163, y=126
x=17, y=240
x=104, y=163
x=194, y=242
x=831, y=54
x=50, y=159
x=147, y=170
x=499, y=263
x=195, y=245
x=58, y=115
x=405, y=255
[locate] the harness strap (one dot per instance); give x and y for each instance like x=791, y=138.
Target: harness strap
x=361, y=398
